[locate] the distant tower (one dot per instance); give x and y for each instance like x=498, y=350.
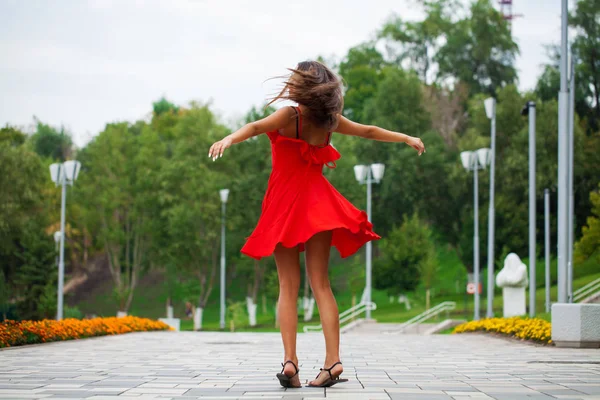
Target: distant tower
x=507, y=12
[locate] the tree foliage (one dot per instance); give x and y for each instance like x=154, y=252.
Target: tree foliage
x=589, y=244
x=407, y=251
x=52, y=143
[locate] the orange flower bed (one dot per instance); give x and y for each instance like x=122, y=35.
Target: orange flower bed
x=15, y=333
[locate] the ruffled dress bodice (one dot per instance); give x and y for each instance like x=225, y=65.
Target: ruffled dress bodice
x=301, y=202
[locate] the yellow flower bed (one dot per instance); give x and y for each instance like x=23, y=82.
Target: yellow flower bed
x=524, y=328
x=14, y=333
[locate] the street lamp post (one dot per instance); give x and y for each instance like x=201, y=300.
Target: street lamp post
x=490, y=111
x=63, y=174
x=57, y=241
x=529, y=110
x=547, y=244
x=474, y=161
x=369, y=174
x=571, y=207
x=223, y=193
x=563, y=170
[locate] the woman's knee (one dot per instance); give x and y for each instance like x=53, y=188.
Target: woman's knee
x=320, y=285
x=289, y=285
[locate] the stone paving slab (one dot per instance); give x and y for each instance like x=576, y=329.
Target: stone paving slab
x=210, y=365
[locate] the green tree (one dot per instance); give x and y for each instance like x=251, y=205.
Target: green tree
x=118, y=197
x=589, y=244
x=585, y=19
x=12, y=136
x=419, y=41
x=362, y=70
x=164, y=118
x=479, y=50
x=37, y=274
x=406, y=252
x=189, y=199
x=163, y=106
x=24, y=183
x=398, y=104
x=49, y=142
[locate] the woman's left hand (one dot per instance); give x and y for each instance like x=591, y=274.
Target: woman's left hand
x=217, y=149
x=416, y=144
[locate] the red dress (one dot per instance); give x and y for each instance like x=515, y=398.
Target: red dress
x=301, y=202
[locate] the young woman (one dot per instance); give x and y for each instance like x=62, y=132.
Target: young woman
x=301, y=210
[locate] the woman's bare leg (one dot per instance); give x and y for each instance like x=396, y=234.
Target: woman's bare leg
x=317, y=263
x=288, y=270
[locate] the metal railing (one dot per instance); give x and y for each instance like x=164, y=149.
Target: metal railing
x=432, y=312
x=346, y=316
x=586, y=291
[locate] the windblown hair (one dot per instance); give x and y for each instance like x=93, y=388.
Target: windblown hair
x=318, y=89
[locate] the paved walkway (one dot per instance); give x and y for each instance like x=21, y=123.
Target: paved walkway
x=186, y=365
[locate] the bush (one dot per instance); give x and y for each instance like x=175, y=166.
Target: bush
x=407, y=252
x=14, y=333
x=535, y=329
x=72, y=312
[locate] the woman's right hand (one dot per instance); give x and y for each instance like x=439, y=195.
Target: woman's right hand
x=416, y=144
x=217, y=149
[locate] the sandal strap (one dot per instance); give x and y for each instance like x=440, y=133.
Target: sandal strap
x=329, y=371
x=295, y=367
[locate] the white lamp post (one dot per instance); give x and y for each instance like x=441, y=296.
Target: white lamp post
x=474, y=161
x=570, y=155
x=529, y=110
x=369, y=174
x=57, y=235
x=490, y=111
x=63, y=174
x=223, y=193
x=563, y=165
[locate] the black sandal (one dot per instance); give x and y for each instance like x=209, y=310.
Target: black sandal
x=286, y=381
x=332, y=379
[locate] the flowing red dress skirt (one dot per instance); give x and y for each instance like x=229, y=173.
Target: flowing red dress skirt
x=301, y=202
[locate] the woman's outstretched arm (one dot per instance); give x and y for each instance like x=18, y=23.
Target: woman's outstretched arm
x=274, y=121
x=347, y=127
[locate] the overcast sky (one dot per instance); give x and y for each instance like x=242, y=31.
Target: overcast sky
x=83, y=63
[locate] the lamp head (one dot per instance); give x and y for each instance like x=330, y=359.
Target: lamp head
x=224, y=194
x=57, y=173
x=490, y=107
x=360, y=173
x=466, y=157
x=484, y=157
x=378, y=170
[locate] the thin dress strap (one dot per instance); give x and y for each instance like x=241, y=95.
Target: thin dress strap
x=297, y=119
x=328, y=138
x=298, y=122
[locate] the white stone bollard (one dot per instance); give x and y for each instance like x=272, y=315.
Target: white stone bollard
x=198, y=319
x=513, y=280
x=308, y=313
x=251, y=308
x=576, y=325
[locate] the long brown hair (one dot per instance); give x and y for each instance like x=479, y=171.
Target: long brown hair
x=318, y=89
